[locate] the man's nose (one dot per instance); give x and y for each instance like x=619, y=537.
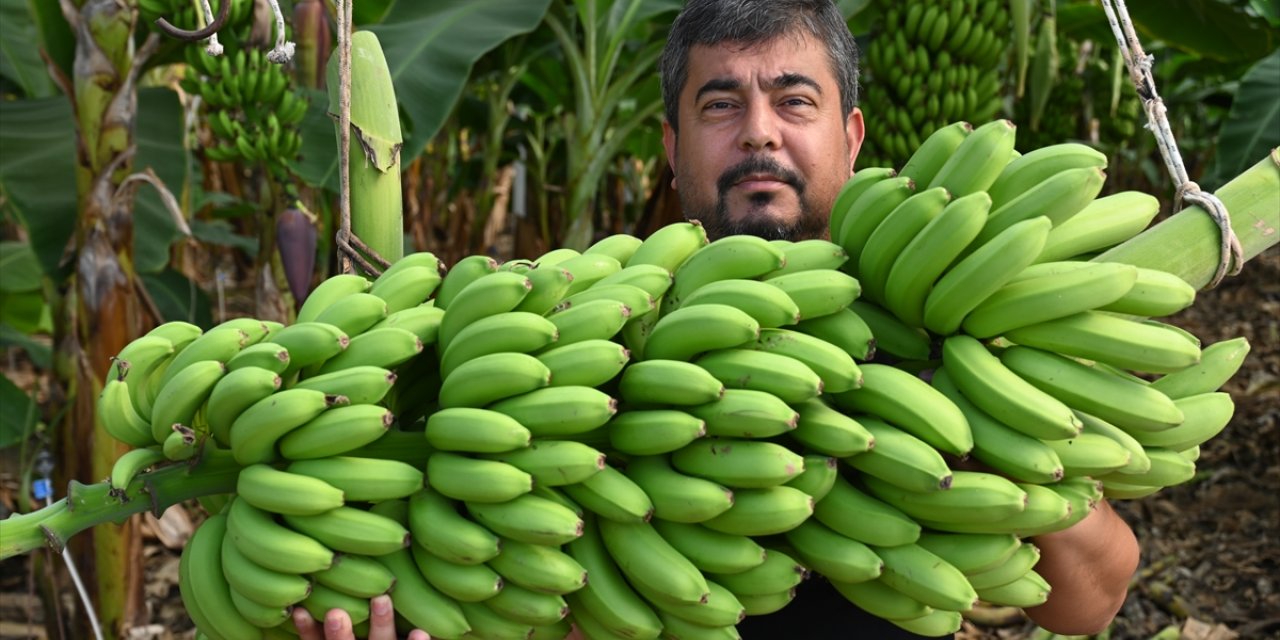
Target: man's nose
x=759, y=129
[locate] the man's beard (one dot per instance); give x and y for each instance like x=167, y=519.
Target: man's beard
x=808, y=224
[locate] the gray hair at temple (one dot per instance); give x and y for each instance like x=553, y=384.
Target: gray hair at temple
x=750, y=22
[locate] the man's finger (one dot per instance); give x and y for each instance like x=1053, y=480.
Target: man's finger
x=337, y=626
x=307, y=628
x=382, y=622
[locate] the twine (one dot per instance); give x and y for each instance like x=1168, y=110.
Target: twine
x=1139, y=63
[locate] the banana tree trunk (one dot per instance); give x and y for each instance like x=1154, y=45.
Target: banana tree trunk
x=100, y=312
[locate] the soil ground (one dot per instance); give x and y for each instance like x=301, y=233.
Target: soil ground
x=1210, y=548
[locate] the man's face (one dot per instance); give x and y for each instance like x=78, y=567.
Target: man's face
x=762, y=149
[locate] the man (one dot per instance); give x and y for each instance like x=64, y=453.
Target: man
x=762, y=130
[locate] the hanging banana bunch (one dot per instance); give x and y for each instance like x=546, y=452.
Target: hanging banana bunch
x=250, y=105
x=1090, y=101
x=931, y=63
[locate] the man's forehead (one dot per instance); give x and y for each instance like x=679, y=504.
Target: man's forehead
x=792, y=53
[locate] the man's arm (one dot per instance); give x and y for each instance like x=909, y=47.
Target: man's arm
x=1089, y=567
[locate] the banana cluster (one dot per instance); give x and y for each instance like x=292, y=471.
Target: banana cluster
x=188, y=15
x=931, y=63
x=1087, y=102
x=250, y=105
x=660, y=437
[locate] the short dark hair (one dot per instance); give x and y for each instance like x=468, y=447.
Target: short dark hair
x=749, y=22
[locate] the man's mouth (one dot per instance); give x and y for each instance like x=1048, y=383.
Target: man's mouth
x=758, y=181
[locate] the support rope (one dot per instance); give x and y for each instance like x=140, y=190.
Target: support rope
x=1139, y=63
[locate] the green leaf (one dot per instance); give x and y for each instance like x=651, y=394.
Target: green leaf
x=20, y=50
x=41, y=354
x=26, y=312
x=432, y=46
x=55, y=34
x=159, y=143
x=317, y=162
x=220, y=232
x=19, y=415
x=19, y=269
x=1253, y=126
x=1215, y=29
x=367, y=12
x=37, y=173
x=178, y=298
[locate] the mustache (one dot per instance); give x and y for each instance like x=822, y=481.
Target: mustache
x=758, y=164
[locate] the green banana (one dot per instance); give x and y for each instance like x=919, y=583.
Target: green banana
x=767, y=305
x=589, y=363
x=235, y=392
x=539, y=567
x=183, y=395
x=554, y=463
x=438, y=527
x=1048, y=297
x=709, y=550
x=619, y=246
x=465, y=478
x=1129, y=405
x=272, y=545
x=927, y=256
x=284, y=492
x=982, y=273
x=462, y=582
x=834, y=555
x=356, y=576
x=786, y=378
x=881, y=600
x=810, y=255
x=365, y=384
x=646, y=558
x=901, y=458
x=406, y=286
x=670, y=246
x=778, y=573
x=989, y=384
x=764, y=511
x=530, y=519
x=337, y=431
x=653, y=431
x=607, y=597
x=118, y=416
x=472, y=430
x=978, y=160
x=493, y=377
x=595, y=320
x=1139, y=346
x=363, y=479
x=262, y=585
x=921, y=574
x=892, y=335
x=1154, y=294
x=1102, y=224
x=352, y=530
x=255, y=432
x=746, y=413
x=738, y=463
x=823, y=429
x=866, y=213
x=676, y=496
x=858, y=516
x=1218, y=363
x=818, y=292
x=909, y=402
x=834, y=366
x=893, y=235
x=689, y=331
x=1007, y=450
x=669, y=382
x=819, y=476
x=264, y=355
x=355, y=313
x=611, y=495
x=738, y=256
x=556, y=412
x=1024, y=173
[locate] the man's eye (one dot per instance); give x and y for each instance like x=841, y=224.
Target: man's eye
x=712, y=106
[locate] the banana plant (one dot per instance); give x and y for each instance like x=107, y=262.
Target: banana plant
x=610, y=50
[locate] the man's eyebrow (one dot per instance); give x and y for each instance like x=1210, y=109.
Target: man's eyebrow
x=717, y=84
x=789, y=80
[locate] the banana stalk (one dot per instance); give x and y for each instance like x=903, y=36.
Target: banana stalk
x=88, y=505
x=377, y=214
x=1187, y=243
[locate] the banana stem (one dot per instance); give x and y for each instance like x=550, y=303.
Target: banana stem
x=1186, y=244
x=88, y=505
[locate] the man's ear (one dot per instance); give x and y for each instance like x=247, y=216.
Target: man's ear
x=854, y=134
x=669, y=143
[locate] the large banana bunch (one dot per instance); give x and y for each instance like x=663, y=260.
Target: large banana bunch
x=930, y=63
x=661, y=437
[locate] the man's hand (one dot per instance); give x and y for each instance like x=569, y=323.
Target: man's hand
x=1089, y=567
x=337, y=624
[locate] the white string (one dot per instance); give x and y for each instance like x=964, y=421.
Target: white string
x=1139, y=63
x=215, y=48
x=283, y=51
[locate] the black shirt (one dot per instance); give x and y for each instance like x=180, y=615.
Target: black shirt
x=819, y=612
